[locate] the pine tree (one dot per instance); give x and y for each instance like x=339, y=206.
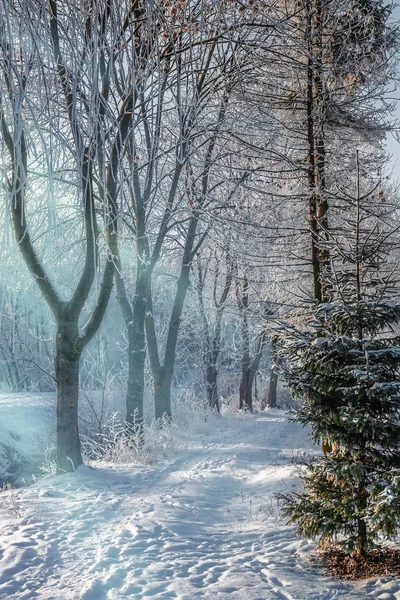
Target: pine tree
x=347, y=377
x=344, y=366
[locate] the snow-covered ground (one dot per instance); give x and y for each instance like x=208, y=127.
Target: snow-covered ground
x=204, y=524
x=27, y=425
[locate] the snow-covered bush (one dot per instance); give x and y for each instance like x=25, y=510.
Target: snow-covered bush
x=9, y=501
x=123, y=442
x=10, y=464
x=152, y=441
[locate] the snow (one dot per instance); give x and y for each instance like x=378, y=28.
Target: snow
x=204, y=524
x=27, y=425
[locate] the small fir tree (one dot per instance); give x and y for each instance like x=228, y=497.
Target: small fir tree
x=347, y=378
x=344, y=366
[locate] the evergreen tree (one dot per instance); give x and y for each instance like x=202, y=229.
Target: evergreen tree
x=347, y=377
x=344, y=366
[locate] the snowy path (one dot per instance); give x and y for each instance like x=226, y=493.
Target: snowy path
x=204, y=525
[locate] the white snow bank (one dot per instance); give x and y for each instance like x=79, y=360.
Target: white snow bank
x=204, y=524
x=27, y=427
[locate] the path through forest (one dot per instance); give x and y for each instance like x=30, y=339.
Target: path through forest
x=203, y=525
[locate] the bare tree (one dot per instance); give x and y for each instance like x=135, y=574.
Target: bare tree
x=50, y=51
x=168, y=191
x=212, y=331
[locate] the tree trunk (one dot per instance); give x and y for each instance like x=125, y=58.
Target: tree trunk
x=212, y=387
x=311, y=160
x=246, y=390
x=361, y=550
x=162, y=374
x=273, y=384
x=137, y=351
x=135, y=325
x=136, y=366
x=69, y=455
x=272, y=388
x=162, y=397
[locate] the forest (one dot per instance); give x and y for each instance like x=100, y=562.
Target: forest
x=200, y=231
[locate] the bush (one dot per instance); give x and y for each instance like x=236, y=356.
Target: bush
x=148, y=442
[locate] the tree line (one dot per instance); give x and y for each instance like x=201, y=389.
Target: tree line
x=190, y=163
